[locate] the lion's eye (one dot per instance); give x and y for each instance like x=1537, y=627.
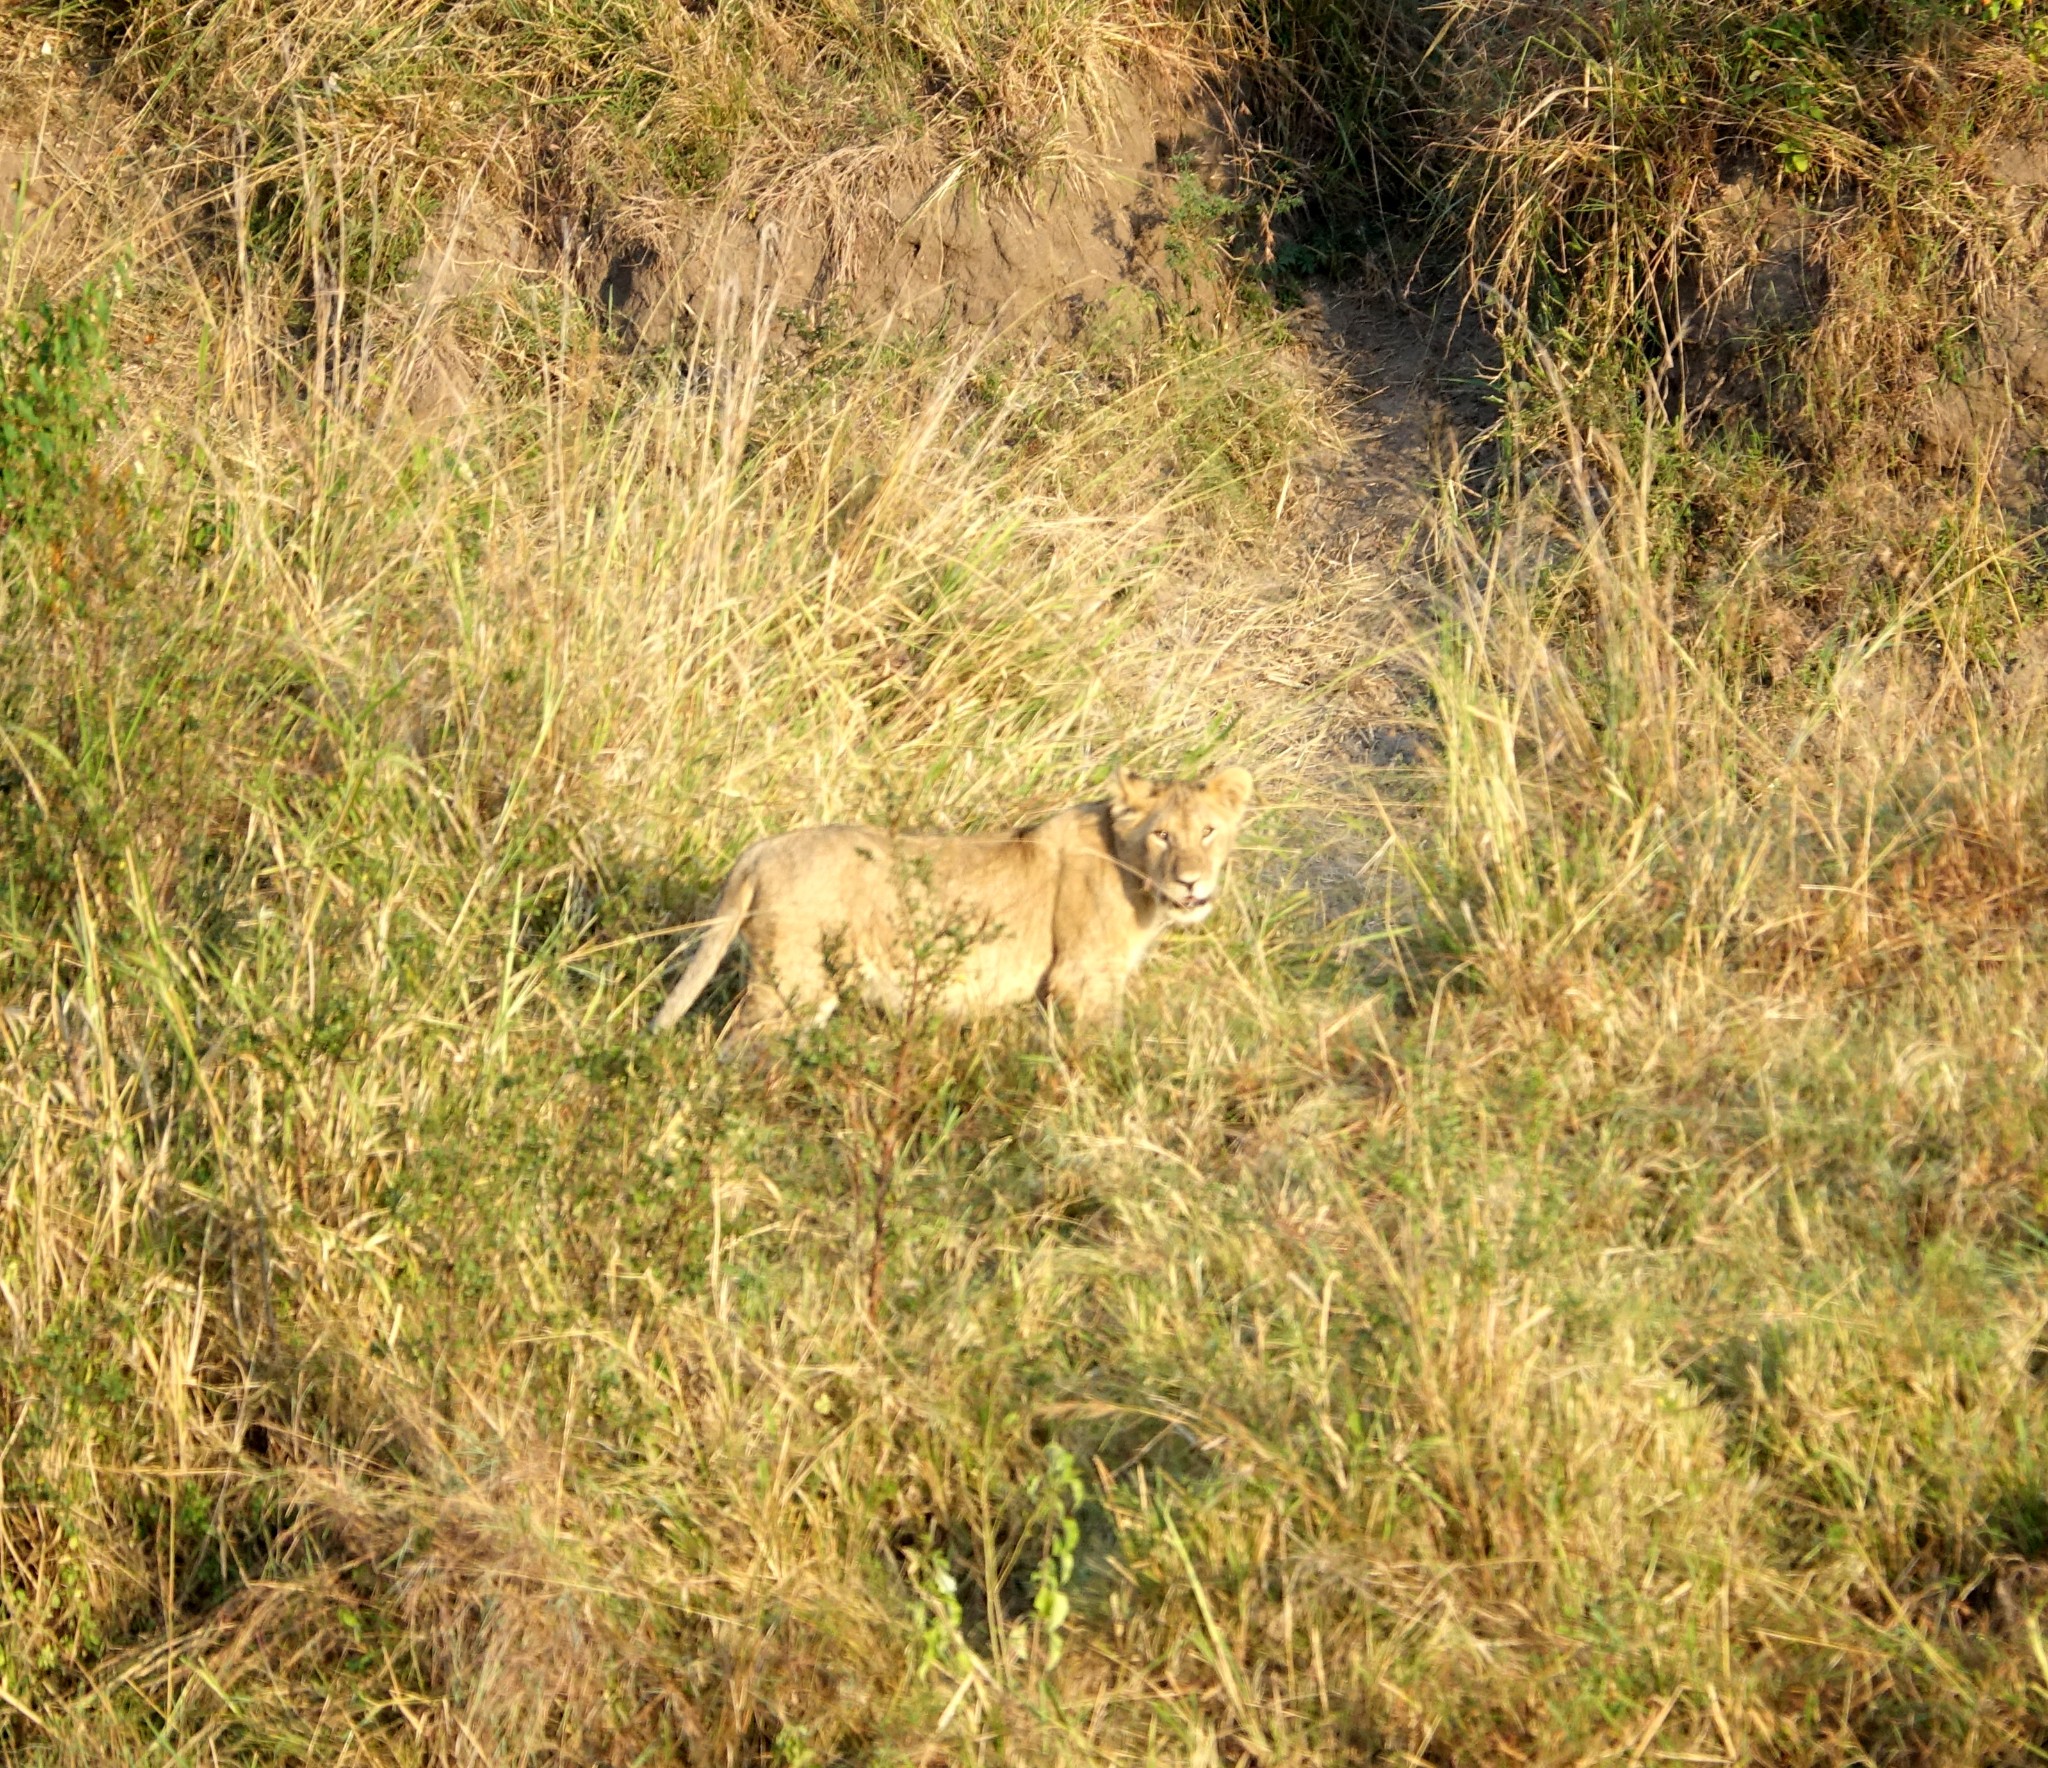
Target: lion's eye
x=1155, y=839
x=1208, y=835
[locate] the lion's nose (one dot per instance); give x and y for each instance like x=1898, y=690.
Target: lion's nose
x=1198, y=888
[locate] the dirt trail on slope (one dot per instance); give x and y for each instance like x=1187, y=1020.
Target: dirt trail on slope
x=1315, y=651
x=1410, y=384
x=1312, y=645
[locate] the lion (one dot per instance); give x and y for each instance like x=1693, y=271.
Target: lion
x=1061, y=912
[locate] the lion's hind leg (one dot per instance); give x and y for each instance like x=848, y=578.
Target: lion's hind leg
x=790, y=989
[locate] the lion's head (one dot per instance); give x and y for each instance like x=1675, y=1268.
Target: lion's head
x=1174, y=835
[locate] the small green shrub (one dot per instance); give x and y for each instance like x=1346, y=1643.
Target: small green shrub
x=55, y=394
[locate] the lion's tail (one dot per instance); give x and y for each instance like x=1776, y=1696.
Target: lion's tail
x=735, y=902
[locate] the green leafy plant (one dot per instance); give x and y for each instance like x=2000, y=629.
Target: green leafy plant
x=1061, y=1494
x=55, y=394
x=1198, y=220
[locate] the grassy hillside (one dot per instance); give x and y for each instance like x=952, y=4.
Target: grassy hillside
x=1553, y=1272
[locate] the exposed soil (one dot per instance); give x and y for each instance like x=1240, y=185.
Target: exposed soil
x=1780, y=299
x=882, y=238
x=915, y=243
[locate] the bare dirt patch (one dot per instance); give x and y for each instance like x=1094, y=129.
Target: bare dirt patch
x=1412, y=384
x=1321, y=635
x=921, y=243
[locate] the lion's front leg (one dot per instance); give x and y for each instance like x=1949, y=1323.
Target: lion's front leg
x=1091, y=997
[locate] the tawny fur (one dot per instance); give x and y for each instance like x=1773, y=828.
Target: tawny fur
x=1061, y=912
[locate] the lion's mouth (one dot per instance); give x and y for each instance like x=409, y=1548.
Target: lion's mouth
x=1185, y=905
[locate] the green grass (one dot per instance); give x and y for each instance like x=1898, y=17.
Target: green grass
x=1554, y=1271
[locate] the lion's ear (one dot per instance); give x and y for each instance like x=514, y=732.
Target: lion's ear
x=1231, y=789
x=1131, y=794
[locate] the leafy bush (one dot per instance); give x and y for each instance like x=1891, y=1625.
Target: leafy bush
x=54, y=396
